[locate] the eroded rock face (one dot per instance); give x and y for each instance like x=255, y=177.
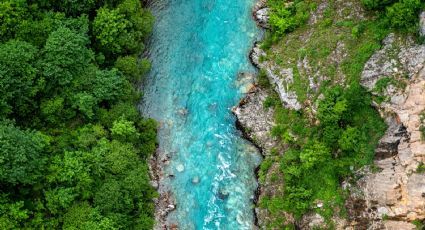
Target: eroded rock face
x=255, y=120
x=261, y=14
x=395, y=195
x=279, y=77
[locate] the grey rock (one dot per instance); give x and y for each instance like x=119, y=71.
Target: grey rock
x=255, y=120
x=422, y=24
x=262, y=17
x=278, y=77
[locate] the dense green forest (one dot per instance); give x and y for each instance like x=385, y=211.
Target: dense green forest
x=73, y=146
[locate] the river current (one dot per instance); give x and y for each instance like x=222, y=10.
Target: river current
x=197, y=49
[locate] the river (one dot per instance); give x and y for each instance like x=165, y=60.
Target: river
x=197, y=49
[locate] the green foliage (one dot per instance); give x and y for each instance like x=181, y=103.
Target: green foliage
x=420, y=168
x=22, y=156
x=12, y=13
x=376, y=4
x=404, y=14
x=419, y=224
x=12, y=214
x=321, y=155
x=18, y=82
x=132, y=68
x=65, y=57
x=73, y=145
x=83, y=216
x=122, y=30
x=285, y=17
x=401, y=14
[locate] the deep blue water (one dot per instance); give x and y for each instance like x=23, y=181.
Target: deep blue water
x=197, y=49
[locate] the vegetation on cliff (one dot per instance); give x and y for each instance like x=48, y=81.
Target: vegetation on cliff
x=73, y=146
x=326, y=44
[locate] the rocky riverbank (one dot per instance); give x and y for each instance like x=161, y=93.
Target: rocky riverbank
x=165, y=202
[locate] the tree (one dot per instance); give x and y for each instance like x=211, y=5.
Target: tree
x=22, y=155
x=132, y=68
x=65, y=57
x=376, y=4
x=84, y=217
x=12, y=214
x=18, y=82
x=122, y=30
x=350, y=139
x=110, y=27
x=12, y=13
x=124, y=130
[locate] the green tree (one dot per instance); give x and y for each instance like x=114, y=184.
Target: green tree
x=350, y=139
x=132, y=68
x=314, y=155
x=376, y=4
x=12, y=13
x=22, y=155
x=84, y=217
x=110, y=27
x=18, y=82
x=65, y=57
x=12, y=214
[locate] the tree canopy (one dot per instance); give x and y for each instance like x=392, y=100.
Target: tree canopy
x=73, y=146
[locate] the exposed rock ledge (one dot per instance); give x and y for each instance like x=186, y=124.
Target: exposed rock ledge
x=256, y=121
x=279, y=77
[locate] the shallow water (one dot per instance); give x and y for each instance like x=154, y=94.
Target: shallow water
x=197, y=49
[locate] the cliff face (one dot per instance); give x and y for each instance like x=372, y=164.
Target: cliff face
x=395, y=195
x=390, y=194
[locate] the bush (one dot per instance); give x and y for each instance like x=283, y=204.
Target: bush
x=376, y=4
x=404, y=14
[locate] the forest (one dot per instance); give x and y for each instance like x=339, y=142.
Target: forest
x=74, y=147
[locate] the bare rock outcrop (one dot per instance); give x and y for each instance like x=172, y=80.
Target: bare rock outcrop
x=255, y=120
x=261, y=14
x=279, y=77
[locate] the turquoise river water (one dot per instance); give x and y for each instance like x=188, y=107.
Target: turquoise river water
x=197, y=49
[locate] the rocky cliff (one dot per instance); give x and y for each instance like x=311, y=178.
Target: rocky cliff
x=390, y=194
x=394, y=196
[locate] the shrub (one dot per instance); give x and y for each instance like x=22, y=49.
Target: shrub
x=404, y=14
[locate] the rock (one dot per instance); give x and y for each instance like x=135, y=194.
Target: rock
x=278, y=77
x=255, y=121
x=245, y=82
x=183, y=112
x=311, y=221
x=262, y=17
x=422, y=24
x=399, y=225
x=180, y=168
x=395, y=190
x=223, y=193
x=195, y=180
